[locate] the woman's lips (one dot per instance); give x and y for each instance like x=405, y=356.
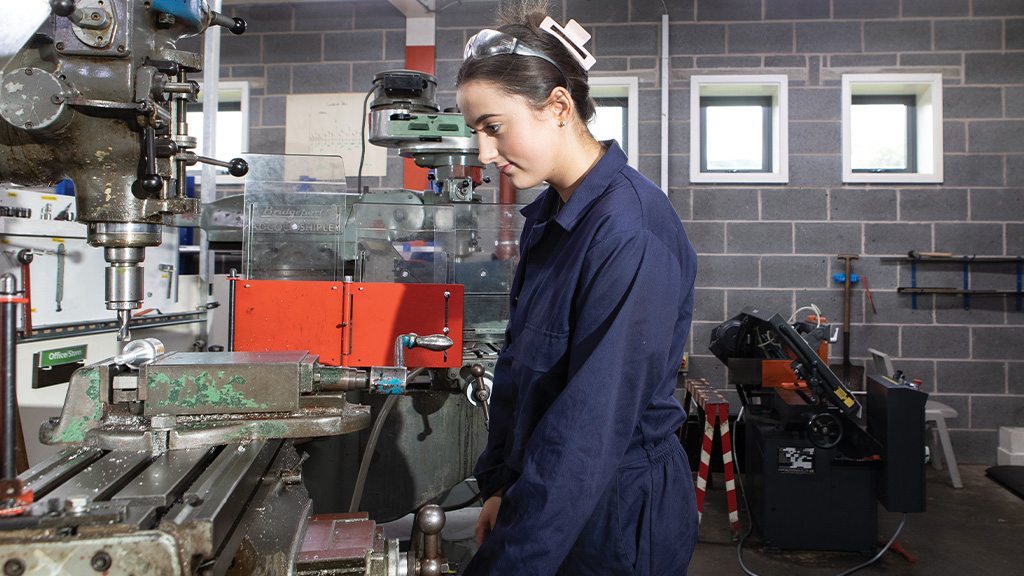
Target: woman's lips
x=505, y=169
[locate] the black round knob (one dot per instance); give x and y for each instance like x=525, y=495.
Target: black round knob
x=62, y=7
x=101, y=561
x=25, y=256
x=239, y=27
x=152, y=183
x=14, y=567
x=238, y=167
x=477, y=370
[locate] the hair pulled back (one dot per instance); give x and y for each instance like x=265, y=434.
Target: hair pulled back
x=527, y=76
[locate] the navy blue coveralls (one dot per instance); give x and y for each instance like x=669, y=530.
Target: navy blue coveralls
x=582, y=413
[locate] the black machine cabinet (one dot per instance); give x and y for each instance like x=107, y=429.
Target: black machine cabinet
x=896, y=420
x=817, y=463
x=809, y=498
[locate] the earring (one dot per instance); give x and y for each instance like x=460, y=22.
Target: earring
x=562, y=124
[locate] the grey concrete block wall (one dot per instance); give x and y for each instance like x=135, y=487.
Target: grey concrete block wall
x=769, y=245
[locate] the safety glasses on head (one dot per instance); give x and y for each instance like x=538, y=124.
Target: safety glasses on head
x=486, y=43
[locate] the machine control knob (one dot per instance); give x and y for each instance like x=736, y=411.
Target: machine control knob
x=62, y=7
x=25, y=256
x=235, y=25
x=430, y=519
x=152, y=183
x=434, y=342
x=238, y=167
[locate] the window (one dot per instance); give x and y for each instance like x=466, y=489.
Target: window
x=617, y=115
x=882, y=132
x=892, y=128
x=232, y=132
x=738, y=131
x=736, y=134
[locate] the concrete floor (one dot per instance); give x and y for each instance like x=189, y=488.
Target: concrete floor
x=976, y=531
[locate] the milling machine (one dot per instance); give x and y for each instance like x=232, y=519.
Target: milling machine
x=96, y=92
x=176, y=463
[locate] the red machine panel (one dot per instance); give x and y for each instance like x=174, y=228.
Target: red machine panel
x=290, y=315
x=348, y=323
x=379, y=313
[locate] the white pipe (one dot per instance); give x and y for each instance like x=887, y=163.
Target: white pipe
x=664, y=102
x=211, y=101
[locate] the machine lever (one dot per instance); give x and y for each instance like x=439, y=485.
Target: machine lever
x=235, y=25
x=236, y=166
x=59, y=292
x=436, y=342
x=25, y=258
x=480, y=392
x=152, y=182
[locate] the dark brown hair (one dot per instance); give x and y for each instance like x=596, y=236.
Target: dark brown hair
x=528, y=76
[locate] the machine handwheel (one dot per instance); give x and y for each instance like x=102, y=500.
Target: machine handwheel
x=825, y=430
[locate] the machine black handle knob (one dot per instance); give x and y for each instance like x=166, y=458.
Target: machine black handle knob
x=25, y=256
x=238, y=167
x=235, y=25
x=152, y=183
x=166, y=148
x=167, y=67
x=63, y=8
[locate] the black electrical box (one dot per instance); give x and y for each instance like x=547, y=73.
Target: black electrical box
x=896, y=420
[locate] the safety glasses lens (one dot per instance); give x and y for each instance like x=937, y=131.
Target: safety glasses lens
x=488, y=43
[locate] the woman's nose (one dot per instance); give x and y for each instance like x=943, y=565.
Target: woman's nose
x=488, y=151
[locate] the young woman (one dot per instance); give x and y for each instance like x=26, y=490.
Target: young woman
x=582, y=473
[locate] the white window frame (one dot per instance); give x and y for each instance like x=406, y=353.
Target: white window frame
x=927, y=88
x=623, y=87
x=774, y=85
x=226, y=86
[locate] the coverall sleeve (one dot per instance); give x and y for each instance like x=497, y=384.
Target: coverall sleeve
x=626, y=306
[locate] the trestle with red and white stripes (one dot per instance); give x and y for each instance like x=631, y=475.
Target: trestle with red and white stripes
x=716, y=412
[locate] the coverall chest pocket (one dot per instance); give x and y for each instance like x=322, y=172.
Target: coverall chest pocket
x=542, y=352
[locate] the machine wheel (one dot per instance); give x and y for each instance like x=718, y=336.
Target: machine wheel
x=825, y=430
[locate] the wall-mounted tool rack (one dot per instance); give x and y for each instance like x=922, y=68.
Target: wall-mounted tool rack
x=916, y=258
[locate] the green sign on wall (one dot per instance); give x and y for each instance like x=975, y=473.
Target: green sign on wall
x=62, y=356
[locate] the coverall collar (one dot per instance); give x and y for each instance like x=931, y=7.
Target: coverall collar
x=594, y=184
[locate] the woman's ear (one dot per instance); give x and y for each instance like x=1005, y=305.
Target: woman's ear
x=560, y=105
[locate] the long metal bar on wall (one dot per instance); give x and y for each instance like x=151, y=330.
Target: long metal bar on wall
x=55, y=331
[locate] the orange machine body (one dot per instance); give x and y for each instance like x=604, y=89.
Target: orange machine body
x=779, y=373
x=353, y=324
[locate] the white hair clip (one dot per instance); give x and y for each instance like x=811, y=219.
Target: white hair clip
x=574, y=37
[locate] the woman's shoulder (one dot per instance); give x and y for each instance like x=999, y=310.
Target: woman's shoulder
x=633, y=202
